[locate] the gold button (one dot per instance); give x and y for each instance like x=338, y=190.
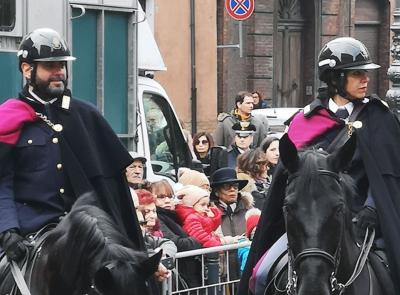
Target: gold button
x=55, y=140
x=30, y=141
x=61, y=190
x=59, y=166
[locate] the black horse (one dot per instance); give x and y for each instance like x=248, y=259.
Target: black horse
x=87, y=254
x=323, y=255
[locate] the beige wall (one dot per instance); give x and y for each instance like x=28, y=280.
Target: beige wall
x=172, y=33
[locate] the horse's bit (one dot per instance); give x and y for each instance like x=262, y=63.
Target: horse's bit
x=293, y=261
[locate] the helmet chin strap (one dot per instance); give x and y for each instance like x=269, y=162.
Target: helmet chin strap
x=341, y=88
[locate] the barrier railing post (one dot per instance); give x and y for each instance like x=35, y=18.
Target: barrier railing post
x=212, y=266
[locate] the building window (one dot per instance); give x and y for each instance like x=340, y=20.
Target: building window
x=7, y=15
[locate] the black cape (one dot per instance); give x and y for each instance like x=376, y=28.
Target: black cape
x=94, y=160
x=377, y=141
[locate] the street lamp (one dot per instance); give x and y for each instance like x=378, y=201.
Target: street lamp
x=393, y=95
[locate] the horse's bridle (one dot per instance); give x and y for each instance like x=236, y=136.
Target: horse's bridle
x=333, y=260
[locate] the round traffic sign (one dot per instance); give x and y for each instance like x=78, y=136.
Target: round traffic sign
x=239, y=9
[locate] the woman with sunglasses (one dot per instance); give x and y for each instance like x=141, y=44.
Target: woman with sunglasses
x=189, y=268
x=212, y=157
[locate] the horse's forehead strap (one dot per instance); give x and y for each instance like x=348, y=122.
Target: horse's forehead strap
x=319, y=172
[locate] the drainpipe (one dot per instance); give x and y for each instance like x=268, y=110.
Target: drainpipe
x=193, y=66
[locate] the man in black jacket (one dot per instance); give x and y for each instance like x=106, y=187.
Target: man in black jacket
x=54, y=148
x=343, y=65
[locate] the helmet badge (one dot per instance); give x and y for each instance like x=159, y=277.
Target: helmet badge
x=330, y=62
x=56, y=43
x=24, y=53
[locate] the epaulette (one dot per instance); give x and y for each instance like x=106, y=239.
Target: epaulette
x=307, y=110
x=222, y=116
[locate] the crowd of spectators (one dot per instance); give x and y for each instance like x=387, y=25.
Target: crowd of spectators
x=217, y=206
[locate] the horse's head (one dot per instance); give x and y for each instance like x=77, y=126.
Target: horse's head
x=315, y=210
x=126, y=277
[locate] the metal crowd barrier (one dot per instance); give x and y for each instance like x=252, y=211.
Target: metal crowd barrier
x=215, y=271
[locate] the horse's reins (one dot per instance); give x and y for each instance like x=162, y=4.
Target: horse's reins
x=19, y=278
x=334, y=260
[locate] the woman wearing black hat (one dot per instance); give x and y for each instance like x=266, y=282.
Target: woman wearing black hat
x=234, y=204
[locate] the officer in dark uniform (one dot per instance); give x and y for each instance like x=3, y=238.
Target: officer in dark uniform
x=54, y=148
x=244, y=135
x=343, y=65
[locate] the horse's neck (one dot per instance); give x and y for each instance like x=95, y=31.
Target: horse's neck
x=349, y=255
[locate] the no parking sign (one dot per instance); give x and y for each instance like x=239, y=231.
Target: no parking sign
x=239, y=9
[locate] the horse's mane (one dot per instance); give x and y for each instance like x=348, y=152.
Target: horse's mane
x=85, y=240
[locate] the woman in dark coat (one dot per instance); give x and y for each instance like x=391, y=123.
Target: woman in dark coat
x=212, y=157
x=189, y=268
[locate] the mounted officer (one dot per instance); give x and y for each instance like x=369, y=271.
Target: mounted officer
x=54, y=148
x=343, y=105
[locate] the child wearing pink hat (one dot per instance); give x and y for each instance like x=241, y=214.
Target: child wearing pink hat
x=197, y=218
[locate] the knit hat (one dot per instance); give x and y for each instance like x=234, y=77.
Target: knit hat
x=191, y=194
x=252, y=217
x=193, y=177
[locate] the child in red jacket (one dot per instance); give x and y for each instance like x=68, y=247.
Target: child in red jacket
x=198, y=219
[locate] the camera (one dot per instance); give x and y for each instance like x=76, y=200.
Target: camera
x=168, y=262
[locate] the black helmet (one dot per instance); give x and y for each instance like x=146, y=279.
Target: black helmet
x=344, y=54
x=43, y=45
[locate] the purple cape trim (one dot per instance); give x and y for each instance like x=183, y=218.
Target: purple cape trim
x=303, y=131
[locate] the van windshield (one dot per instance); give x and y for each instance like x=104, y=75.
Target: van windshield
x=168, y=148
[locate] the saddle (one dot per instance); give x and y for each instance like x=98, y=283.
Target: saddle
x=36, y=240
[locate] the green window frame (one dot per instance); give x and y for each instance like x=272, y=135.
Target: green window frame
x=103, y=74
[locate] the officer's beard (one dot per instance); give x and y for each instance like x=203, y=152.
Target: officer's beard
x=48, y=91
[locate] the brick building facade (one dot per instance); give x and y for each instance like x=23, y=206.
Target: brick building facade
x=282, y=39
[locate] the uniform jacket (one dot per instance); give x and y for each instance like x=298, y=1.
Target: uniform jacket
x=231, y=155
x=376, y=157
x=92, y=158
x=224, y=134
x=200, y=227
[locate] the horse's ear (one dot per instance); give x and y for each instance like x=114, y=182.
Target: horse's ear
x=341, y=158
x=288, y=154
x=150, y=265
